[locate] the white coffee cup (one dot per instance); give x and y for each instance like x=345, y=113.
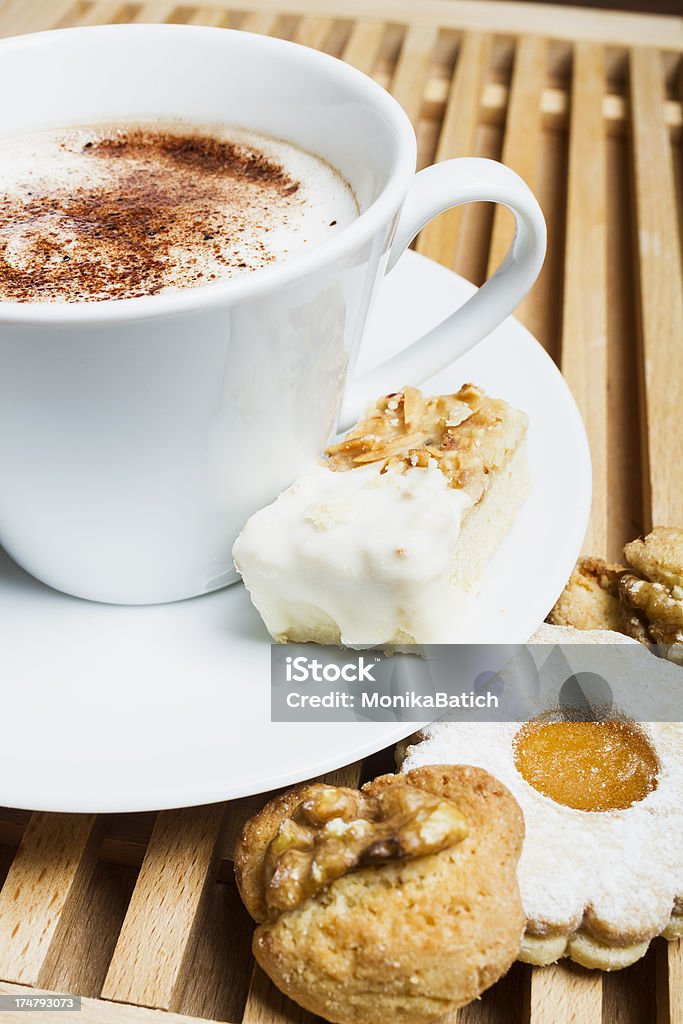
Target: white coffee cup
x=137, y=436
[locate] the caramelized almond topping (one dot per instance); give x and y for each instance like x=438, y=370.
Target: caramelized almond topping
x=466, y=436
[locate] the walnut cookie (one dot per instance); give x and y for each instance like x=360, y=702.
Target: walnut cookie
x=395, y=902
x=643, y=599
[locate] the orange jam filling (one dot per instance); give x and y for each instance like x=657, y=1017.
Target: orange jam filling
x=590, y=766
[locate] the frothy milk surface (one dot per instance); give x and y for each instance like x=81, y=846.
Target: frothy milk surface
x=119, y=211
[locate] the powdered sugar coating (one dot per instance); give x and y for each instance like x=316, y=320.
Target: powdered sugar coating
x=616, y=874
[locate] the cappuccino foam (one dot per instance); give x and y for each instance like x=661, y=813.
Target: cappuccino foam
x=114, y=212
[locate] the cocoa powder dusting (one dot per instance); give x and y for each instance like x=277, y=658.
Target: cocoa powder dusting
x=118, y=232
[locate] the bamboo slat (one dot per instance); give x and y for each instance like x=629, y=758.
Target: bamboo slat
x=261, y=22
x=43, y=892
x=522, y=151
x=660, y=294
x=363, y=45
x=152, y=957
x=410, y=77
x=438, y=239
x=88, y=945
x=313, y=31
x=670, y=983
x=17, y=16
x=549, y=20
x=108, y=12
x=155, y=11
x=265, y=1005
x=211, y=16
x=565, y=996
x=584, y=328
x=522, y=133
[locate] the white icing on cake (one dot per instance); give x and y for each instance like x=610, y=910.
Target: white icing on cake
x=363, y=554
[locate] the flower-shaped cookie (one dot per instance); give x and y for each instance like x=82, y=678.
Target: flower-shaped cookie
x=601, y=871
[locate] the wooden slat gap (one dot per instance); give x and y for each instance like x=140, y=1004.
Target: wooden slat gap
x=438, y=239
x=44, y=891
x=159, y=934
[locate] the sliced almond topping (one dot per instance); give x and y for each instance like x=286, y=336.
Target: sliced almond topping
x=467, y=435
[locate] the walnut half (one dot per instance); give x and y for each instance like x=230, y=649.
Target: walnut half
x=644, y=601
x=335, y=830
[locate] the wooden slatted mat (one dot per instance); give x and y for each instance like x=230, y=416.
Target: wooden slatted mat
x=139, y=913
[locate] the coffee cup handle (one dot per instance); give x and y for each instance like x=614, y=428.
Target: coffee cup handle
x=435, y=189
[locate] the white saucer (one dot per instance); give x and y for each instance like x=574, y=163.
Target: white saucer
x=126, y=709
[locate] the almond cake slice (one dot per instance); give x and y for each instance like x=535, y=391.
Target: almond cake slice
x=380, y=542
